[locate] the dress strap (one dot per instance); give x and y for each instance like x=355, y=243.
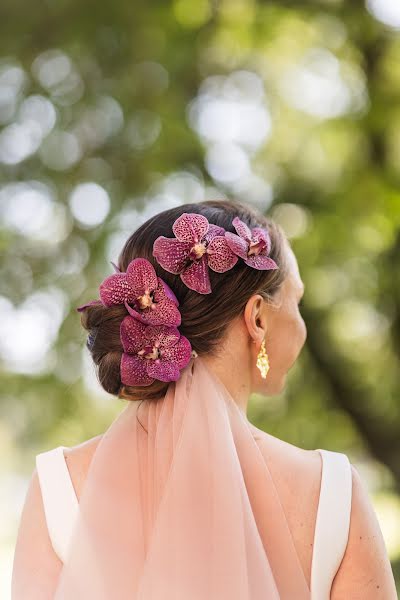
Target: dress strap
x=59, y=498
x=332, y=522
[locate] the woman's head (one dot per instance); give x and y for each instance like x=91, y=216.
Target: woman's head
x=208, y=320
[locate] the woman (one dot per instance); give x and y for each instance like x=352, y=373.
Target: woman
x=183, y=497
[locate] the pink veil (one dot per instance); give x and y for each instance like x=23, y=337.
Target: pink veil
x=179, y=504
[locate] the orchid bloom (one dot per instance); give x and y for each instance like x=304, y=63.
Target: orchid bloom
x=252, y=245
x=198, y=245
x=152, y=352
x=152, y=300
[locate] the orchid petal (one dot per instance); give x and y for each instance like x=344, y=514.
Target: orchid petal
x=196, y=276
x=237, y=244
x=190, y=227
x=220, y=256
x=115, y=289
x=171, y=253
x=258, y=233
x=167, y=291
x=242, y=229
x=132, y=333
x=162, y=370
x=213, y=231
x=180, y=353
x=165, y=335
x=141, y=276
x=134, y=370
x=261, y=262
x=135, y=313
x=165, y=311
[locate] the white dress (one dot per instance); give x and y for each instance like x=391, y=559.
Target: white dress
x=331, y=529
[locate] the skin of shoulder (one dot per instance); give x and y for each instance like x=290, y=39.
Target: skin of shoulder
x=365, y=572
x=284, y=459
x=296, y=473
x=78, y=459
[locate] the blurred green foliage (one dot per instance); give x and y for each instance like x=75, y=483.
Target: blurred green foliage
x=111, y=112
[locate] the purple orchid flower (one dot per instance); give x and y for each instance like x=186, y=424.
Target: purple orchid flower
x=253, y=246
x=152, y=352
x=153, y=300
x=197, y=245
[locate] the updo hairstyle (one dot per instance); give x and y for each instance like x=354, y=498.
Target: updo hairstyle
x=205, y=317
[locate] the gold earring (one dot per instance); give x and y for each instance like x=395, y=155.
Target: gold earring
x=262, y=361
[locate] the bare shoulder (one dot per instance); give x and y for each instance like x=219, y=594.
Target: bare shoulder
x=296, y=473
x=285, y=459
x=78, y=459
x=297, y=476
x=365, y=572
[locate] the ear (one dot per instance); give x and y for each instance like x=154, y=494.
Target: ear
x=255, y=317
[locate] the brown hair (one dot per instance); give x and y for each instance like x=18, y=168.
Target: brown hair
x=205, y=317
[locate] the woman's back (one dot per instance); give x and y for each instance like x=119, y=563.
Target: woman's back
x=297, y=476
x=364, y=573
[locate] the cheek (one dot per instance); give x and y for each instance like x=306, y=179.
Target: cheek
x=302, y=329
x=286, y=338
x=299, y=334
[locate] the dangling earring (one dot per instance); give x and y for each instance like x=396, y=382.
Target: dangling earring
x=262, y=361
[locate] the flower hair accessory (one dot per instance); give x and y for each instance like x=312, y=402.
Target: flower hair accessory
x=153, y=300
x=153, y=346
x=252, y=245
x=152, y=352
x=199, y=245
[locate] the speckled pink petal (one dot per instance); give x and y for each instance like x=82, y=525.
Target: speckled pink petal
x=190, y=227
x=132, y=334
x=163, y=370
x=220, y=256
x=134, y=370
x=237, y=244
x=258, y=233
x=115, y=289
x=141, y=276
x=261, y=262
x=171, y=254
x=167, y=291
x=166, y=311
x=196, y=276
x=91, y=303
x=242, y=228
x=166, y=336
x=135, y=313
x=213, y=231
x=180, y=353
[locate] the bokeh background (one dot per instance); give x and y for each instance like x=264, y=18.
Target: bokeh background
x=113, y=111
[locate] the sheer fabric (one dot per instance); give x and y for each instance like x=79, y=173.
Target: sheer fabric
x=179, y=504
